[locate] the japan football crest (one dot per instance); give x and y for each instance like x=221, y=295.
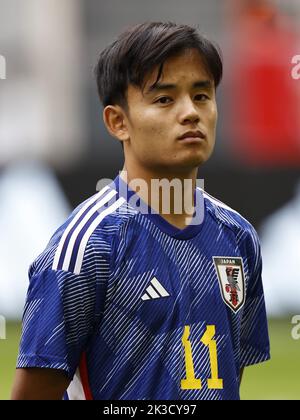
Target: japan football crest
x=231, y=280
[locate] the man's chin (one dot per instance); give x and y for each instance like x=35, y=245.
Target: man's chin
x=185, y=166
x=194, y=160
x=183, y=163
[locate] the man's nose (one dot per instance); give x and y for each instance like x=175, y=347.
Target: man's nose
x=189, y=112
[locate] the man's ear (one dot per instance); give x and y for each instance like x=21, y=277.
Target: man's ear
x=116, y=122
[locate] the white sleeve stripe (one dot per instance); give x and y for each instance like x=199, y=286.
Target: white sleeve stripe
x=91, y=229
x=82, y=224
x=71, y=225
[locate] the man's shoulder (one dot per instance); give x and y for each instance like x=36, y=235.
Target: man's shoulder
x=227, y=216
x=103, y=211
x=92, y=226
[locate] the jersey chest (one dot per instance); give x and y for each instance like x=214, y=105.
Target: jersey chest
x=166, y=283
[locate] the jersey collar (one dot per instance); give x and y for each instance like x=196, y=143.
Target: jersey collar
x=190, y=231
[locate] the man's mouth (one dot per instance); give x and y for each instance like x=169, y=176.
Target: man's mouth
x=192, y=136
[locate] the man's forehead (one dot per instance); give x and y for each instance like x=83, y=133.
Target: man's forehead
x=174, y=70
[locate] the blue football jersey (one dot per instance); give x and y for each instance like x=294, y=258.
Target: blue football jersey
x=133, y=308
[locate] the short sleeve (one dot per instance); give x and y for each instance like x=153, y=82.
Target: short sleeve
x=255, y=346
x=61, y=312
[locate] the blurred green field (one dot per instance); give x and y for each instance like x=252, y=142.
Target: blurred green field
x=276, y=379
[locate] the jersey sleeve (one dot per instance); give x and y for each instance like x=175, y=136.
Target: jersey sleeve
x=255, y=346
x=61, y=312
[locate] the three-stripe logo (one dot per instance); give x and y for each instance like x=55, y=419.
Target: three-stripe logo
x=70, y=251
x=155, y=290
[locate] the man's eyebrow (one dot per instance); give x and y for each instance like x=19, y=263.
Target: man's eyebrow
x=206, y=84
x=160, y=86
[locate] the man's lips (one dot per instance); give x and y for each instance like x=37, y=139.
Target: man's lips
x=192, y=135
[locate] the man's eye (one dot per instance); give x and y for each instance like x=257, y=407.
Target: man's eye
x=201, y=97
x=164, y=100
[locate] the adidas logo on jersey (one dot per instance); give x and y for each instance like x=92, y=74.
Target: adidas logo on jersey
x=155, y=290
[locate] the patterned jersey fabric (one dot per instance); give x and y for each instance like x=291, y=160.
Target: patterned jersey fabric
x=131, y=307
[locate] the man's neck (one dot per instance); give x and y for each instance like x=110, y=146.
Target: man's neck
x=172, y=196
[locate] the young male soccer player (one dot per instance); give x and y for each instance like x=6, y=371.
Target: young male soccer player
x=129, y=304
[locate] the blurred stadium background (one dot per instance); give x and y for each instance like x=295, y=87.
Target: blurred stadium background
x=54, y=148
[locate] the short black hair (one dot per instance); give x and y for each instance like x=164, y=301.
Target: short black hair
x=143, y=47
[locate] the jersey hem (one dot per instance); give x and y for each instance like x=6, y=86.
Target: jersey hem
x=41, y=362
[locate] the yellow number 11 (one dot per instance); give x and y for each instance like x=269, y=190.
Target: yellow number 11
x=191, y=382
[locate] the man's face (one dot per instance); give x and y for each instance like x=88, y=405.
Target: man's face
x=182, y=101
